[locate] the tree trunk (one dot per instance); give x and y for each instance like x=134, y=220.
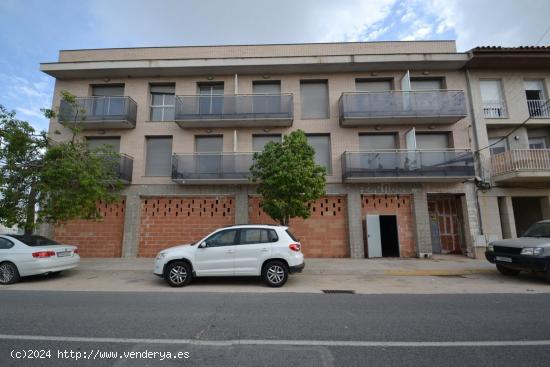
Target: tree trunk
x=31, y=211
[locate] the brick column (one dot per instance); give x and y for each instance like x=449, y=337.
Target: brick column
x=131, y=225
x=422, y=223
x=355, y=223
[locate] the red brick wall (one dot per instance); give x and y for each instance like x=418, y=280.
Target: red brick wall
x=171, y=221
x=446, y=211
x=399, y=205
x=101, y=238
x=324, y=234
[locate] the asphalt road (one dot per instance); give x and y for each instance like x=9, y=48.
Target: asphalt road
x=247, y=329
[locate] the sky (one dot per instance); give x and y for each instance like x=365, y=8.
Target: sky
x=33, y=31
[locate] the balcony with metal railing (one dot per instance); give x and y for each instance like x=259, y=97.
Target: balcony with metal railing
x=407, y=165
x=394, y=107
x=539, y=108
x=99, y=113
x=211, y=168
x=494, y=109
x=521, y=165
x=237, y=110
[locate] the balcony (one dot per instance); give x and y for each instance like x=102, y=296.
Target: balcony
x=238, y=110
x=521, y=165
x=396, y=107
x=99, y=113
x=494, y=109
x=407, y=166
x=211, y=168
x=539, y=108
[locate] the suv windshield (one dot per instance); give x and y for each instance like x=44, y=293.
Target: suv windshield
x=34, y=241
x=538, y=230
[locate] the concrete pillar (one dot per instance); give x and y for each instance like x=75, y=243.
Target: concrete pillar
x=422, y=224
x=355, y=223
x=241, y=205
x=507, y=217
x=132, y=211
x=490, y=217
x=471, y=218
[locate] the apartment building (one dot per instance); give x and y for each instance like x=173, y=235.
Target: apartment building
x=511, y=113
x=390, y=120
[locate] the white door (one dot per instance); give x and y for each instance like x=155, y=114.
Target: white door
x=374, y=241
x=253, y=249
x=218, y=257
x=406, y=88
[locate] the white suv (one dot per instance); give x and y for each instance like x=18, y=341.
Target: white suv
x=271, y=252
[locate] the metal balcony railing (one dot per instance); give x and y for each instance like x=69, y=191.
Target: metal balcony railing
x=100, y=112
x=494, y=109
x=539, y=108
x=269, y=109
x=521, y=160
x=432, y=105
x=403, y=164
x=222, y=167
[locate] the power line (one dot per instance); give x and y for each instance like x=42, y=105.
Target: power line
x=505, y=136
x=543, y=35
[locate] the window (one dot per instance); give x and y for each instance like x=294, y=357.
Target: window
x=377, y=141
x=260, y=141
x=112, y=144
x=291, y=235
x=362, y=85
x=111, y=104
x=432, y=141
x=321, y=144
x=268, y=99
x=257, y=235
x=208, y=162
x=159, y=156
x=5, y=244
x=35, y=241
x=537, y=102
x=493, y=99
x=537, y=143
x=163, y=99
x=222, y=238
x=426, y=84
x=314, y=99
x=499, y=147
x=211, y=98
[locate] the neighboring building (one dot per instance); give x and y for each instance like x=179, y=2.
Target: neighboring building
x=511, y=111
x=389, y=120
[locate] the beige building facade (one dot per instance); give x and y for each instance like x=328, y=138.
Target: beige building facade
x=397, y=124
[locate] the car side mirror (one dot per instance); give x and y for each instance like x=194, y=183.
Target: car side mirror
x=203, y=244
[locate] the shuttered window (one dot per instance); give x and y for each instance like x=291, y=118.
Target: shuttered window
x=321, y=144
x=314, y=99
x=260, y=141
x=109, y=143
x=159, y=156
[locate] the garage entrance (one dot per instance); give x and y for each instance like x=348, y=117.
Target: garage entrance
x=527, y=210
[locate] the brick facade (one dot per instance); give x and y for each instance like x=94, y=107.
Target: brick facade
x=170, y=221
x=399, y=205
x=101, y=238
x=324, y=234
x=446, y=211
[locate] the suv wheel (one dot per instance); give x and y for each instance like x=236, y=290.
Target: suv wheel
x=275, y=273
x=178, y=274
x=8, y=273
x=507, y=271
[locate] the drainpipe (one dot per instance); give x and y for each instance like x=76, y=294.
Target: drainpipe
x=476, y=145
x=236, y=83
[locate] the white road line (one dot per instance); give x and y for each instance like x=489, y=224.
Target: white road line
x=328, y=343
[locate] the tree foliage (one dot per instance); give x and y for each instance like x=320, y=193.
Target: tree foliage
x=288, y=177
x=42, y=180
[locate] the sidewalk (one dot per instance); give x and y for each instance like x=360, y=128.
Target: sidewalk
x=442, y=274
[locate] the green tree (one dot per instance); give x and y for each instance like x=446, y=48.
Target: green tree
x=288, y=177
x=42, y=180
